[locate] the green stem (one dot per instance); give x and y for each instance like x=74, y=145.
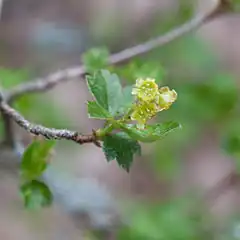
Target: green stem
x=112, y=124
x=104, y=131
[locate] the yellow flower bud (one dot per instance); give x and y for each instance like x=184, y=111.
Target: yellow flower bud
x=145, y=89
x=144, y=111
x=150, y=100
x=166, y=98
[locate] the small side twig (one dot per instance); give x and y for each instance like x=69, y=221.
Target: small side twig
x=43, y=84
x=49, y=133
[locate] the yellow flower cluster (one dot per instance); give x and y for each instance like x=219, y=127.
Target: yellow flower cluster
x=150, y=100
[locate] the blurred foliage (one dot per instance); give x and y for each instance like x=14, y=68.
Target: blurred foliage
x=176, y=219
x=141, y=69
x=34, y=162
x=36, y=194
x=35, y=159
x=46, y=112
x=235, y=4
x=95, y=58
x=231, y=140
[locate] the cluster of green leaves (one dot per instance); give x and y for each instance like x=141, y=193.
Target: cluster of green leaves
x=35, y=193
x=35, y=160
x=112, y=103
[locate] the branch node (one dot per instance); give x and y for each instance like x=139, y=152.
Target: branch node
x=82, y=139
x=96, y=141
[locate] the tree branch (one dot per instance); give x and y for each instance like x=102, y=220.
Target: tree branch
x=49, y=133
x=43, y=84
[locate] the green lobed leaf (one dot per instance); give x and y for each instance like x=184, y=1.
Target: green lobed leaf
x=35, y=159
x=36, y=194
x=121, y=147
x=107, y=90
x=151, y=133
x=127, y=99
x=114, y=91
x=97, y=86
x=96, y=111
x=95, y=59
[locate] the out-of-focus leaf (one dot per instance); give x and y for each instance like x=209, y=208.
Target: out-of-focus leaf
x=232, y=145
x=142, y=69
x=114, y=91
x=12, y=77
x=36, y=194
x=98, y=87
x=35, y=159
x=120, y=147
x=95, y=59
x=235, y=5
x=106, y=89
x=217, y=97
x=173, y=220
